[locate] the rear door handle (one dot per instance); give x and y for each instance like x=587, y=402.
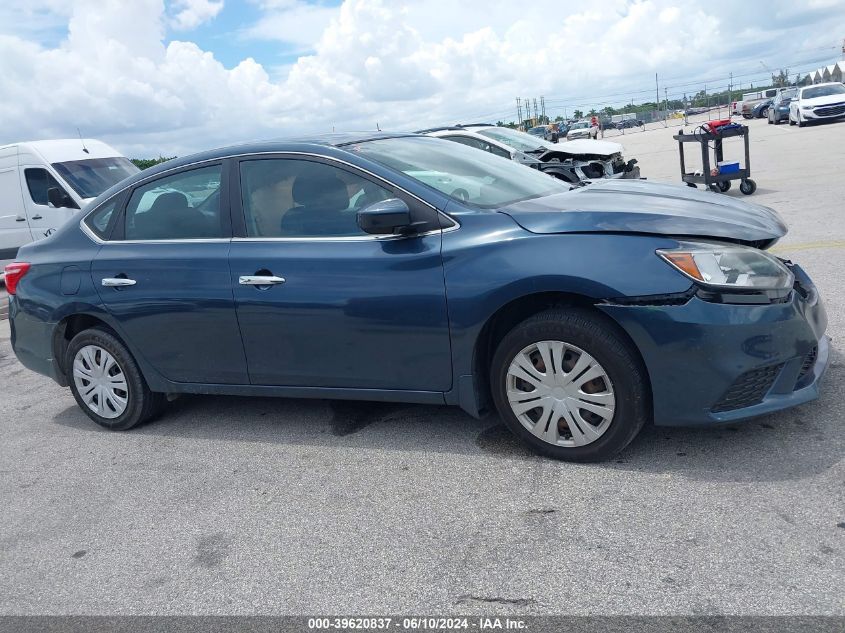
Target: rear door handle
x=260, y=280
x=37, y=217
x=20, y=219
x=118, y=282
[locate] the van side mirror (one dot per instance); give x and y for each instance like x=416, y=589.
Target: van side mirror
x=59, y=199
x=386, y=217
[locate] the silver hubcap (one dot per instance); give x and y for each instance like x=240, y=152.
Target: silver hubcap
x=560, y=393
x=100, y=381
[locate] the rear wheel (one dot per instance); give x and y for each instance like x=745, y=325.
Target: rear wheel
x=724, y=186
x=570, y=385
x=106, y=382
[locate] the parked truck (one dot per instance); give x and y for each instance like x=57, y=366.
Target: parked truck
x=751, y=99
x=44, y=183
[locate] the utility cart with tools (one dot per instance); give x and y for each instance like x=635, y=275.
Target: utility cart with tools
x=718, y=175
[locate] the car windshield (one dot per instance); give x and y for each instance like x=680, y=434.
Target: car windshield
x=822, y=91
x=580, y=125
x=786, y=95
x=514, y=138
x=89, y=178
x=461, y=172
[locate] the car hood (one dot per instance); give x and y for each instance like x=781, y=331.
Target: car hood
x=637, y=206
x=820, y=101
x=586, y=147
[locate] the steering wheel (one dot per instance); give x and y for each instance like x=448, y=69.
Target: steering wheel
x=460, y=194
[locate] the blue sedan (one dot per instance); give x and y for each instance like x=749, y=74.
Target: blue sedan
x=406, y=268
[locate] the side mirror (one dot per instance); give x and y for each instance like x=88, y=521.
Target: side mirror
x=60, y=199
x=386, y=217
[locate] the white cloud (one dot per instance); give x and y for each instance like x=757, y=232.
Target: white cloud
x=293, y=22
x=404, y=67
x=189, y=14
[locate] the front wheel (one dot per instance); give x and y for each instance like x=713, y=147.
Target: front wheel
x=106, y=382
x=568, y=384
x=724, y=185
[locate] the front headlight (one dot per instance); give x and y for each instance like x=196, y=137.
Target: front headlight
x=729, y=266
x=806, y=107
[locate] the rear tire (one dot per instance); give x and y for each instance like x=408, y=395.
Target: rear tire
x=106, y=382
x=570, y=337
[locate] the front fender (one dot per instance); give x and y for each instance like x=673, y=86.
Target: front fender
x=491, y=262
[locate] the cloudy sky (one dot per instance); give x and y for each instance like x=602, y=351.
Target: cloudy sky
x=166, y=77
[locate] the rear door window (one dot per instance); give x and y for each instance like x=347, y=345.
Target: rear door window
x=183, y=206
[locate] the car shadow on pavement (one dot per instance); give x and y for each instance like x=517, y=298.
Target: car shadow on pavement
x=793, y=444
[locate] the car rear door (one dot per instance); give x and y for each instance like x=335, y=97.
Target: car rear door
x=340, y=308
x=163, y=274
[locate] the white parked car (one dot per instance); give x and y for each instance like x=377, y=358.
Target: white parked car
x=817, y=103
x=582, y=129
x=572, y=161
x=78, y=170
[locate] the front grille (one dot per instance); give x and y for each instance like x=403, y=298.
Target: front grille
x=808, y=364
x=749, y=389
x=831, y=110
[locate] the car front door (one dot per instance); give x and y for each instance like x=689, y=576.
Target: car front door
x=43, y=217
x=163, y=274
x=321, y=303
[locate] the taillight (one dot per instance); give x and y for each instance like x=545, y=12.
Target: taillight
x=14, y=272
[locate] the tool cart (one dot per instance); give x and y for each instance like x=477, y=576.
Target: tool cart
x=710, y=137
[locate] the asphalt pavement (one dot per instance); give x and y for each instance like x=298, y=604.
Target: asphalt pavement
x=271, y=506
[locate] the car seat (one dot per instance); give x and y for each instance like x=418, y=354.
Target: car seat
x=321, y=208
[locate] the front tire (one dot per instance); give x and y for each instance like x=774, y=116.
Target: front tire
x=106, y=382
x=586, y=383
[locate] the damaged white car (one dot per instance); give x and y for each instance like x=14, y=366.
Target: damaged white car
x=573, y=161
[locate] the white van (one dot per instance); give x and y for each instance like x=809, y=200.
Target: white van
x=79, y=170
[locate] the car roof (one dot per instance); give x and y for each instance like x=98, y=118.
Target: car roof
x=67, y=149
x=321, y=142
x=336, y=139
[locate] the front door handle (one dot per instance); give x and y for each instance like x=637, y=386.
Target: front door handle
x=37, y=217
x=118, y=282
x=260, y=280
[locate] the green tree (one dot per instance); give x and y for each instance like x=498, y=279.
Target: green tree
x=781, y=78
x=578, y=114
x=146, y=163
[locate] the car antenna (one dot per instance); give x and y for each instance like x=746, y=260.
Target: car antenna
x=378, y=129
x=84, y=149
